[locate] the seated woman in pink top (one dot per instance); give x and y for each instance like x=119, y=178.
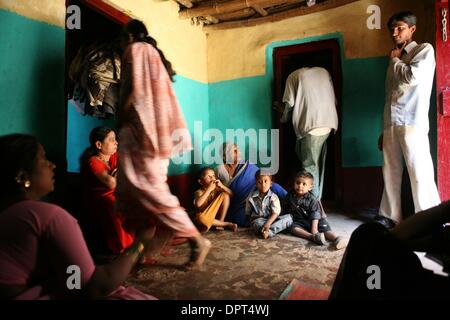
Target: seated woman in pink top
x=102, y=225
x=42, y=252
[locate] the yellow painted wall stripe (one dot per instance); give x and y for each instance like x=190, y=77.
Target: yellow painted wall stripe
x=182, y=43
x=238, y=53
x=241, y=52
x=48, y=11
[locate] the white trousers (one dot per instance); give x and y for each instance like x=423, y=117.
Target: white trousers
x=413, y=144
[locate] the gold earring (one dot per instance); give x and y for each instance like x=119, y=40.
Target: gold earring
x=27, y=184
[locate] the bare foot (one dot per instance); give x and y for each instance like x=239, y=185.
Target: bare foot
x=219, y=229
x=166, y=251
x=232, y=226
x=147, y=261
x=265, y=234
x=198, y=254
x=177, y=241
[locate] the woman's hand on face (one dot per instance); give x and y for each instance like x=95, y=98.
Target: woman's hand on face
x=212, y=185
x=219, y=184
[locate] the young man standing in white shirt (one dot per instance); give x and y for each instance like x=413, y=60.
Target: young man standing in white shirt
x=409, y=82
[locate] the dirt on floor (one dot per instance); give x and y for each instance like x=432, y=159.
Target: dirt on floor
x=242, y=266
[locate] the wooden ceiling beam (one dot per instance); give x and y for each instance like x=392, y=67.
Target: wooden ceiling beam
x=212, y=19
x=240, y=14
x=214, y=8
x=260, y=10
x=329, y=4
x=186, y=3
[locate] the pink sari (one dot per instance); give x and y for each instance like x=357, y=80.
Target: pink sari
x=39, y=241
x=150, y=116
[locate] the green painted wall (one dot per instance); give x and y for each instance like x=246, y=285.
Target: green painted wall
x=32, y=101
x=243, y=104
x=32, y=81
x=193, y=99
x=246, y=103
x=32, y=93
x=78, y=130
x=362, y=112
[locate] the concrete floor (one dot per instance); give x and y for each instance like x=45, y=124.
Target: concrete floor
x=242, y=266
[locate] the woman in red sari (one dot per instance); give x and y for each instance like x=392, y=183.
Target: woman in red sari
x=99, y=167
x=152, y=129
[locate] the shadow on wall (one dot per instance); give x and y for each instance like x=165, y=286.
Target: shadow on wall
x=32, y=82
x=47, y=113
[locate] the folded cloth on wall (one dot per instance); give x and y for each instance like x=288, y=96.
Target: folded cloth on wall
x=96, y=70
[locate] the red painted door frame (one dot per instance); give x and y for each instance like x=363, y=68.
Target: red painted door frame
x=105, y=9
x=443, y=101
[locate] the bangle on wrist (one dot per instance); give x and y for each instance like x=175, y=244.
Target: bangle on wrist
x=135, y=250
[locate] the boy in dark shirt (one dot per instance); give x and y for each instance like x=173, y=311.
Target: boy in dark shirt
x=306, y=213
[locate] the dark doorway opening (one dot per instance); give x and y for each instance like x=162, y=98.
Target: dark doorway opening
x=99, y=23
x=325, y=54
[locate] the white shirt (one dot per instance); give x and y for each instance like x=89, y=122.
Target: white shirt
x=409, y=82
x=309, y=92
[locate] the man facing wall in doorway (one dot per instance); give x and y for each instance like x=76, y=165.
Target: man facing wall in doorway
x=409, y=82
x=309, y=94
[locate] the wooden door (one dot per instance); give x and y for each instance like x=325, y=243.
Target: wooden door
x=443, y=98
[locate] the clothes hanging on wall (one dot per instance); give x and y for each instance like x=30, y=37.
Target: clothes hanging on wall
x=95, y=71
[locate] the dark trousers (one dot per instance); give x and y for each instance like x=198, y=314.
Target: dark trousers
x=400, y=270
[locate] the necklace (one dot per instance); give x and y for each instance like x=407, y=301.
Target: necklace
x=103, y=160
x=231, y=168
